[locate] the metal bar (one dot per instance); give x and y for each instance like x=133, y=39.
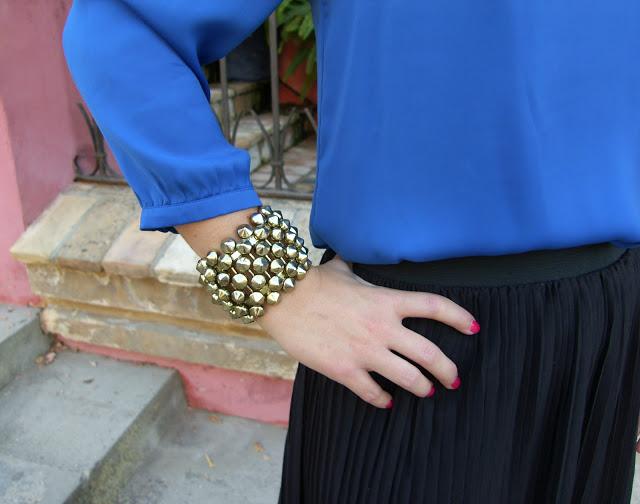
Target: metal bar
x=101, y=169
x=285, y=193
x=276, y=158
x=224, y=87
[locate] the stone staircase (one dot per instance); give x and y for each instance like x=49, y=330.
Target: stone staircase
x=81, y=428
x=109, y=288
x=244, y=96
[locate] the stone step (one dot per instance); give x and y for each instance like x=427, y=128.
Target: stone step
x=76, y=429
x=300, y=168
x=104, y=283
x=21, y=340
x=251, y=137
x=211, y=458
x=246, y=96
x=243, y=96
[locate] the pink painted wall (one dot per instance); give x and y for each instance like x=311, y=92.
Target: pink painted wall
x=41, y=128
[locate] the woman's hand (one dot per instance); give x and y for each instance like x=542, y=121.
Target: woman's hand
x=343, y=326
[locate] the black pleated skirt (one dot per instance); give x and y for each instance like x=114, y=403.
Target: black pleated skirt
x=546, y=412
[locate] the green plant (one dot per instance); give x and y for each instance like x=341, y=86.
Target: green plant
x=294, y=21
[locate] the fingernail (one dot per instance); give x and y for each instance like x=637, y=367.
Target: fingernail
x=456, y=383
x=432, y=391
x=389, y=404
x=475, y=327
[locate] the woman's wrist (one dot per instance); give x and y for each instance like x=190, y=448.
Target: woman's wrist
x=260, y=260
x=204, y=235
x=295, y=301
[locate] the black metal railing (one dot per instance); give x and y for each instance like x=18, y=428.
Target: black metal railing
x=277, y=185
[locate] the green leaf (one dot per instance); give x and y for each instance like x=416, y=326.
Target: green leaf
x=296, y=60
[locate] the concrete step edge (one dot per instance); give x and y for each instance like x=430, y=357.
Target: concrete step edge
x=83, y=444
x=111, y=474
x=248, y=354
x=21, y=340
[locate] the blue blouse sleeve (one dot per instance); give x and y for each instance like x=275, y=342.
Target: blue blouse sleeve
x=138, y=66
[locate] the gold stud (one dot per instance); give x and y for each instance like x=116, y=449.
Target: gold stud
x=290, y=237
x=212, y=258
x=262, y=248
x=228, y=245
x=261, y=233
x=256, y=299
x=273, y=221
x=291, y=252
x=260, y=264
x=209, y=275
x=244, y=247
x=244, y=231
x=225, y=262
x=237, y=296
x=258, y=282
x=256, y=311
x=243, y=264
x=276, y=234
x=273, y=298
x=300, y=273
x=276, y=266
x=257, y=219
x=291, y=269
x=223, y=278
x=277, y=250
x=275, y=283
x=289, y=284
x=201, y=266
x=239, y=281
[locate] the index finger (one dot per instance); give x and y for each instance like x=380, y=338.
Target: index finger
x=436, y=307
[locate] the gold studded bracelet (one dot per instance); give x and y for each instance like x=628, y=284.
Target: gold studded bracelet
x=253, y=271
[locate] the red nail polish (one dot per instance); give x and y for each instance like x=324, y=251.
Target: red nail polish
x=432, y=391
x=389, y=404
x=456, y=383
x=475, y=327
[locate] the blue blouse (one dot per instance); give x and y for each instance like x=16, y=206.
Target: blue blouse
x=446, y=128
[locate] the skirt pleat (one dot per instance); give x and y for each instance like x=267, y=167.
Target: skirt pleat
x=547, y=409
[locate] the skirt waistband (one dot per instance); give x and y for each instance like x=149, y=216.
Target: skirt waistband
x=507, y=269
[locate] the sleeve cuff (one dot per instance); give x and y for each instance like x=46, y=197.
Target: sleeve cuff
x=164, y=218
